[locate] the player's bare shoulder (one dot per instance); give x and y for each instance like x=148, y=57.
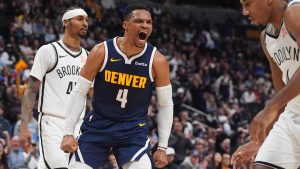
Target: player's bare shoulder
x=160, y=69
x=97, y=54
x=94, y=61
x=291, y=17
x=159, y=59
x=98, y=49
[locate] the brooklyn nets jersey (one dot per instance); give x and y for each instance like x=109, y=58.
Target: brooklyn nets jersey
x=123, y=87
x=58, y=69
x=283, y=48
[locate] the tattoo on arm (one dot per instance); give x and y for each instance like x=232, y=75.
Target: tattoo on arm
x=28, y=100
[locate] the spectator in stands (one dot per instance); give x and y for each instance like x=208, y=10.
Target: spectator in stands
x=5, y=148
x=225, y=161
x=17, y=157
x=3, y=157
x=33, y=128
x=179, y=142
x=171, y=155
x=4, y=124
x=187, y=126
x=192, y=162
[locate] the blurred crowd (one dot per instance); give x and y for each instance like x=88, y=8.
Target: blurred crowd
x=220, y=78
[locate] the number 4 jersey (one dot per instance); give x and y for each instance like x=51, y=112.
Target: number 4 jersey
x=123, y=87
x=58, y=69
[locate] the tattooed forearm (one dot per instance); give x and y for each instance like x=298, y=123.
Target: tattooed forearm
x=28, y=100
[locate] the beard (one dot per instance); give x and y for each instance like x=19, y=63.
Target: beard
x=82, y=34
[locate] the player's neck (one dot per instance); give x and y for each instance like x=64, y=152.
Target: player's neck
x=72, y=43
x=277, y=15
x=128, y=47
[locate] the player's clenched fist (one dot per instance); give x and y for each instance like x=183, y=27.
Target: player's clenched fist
x=160, y=158
x=69, y=144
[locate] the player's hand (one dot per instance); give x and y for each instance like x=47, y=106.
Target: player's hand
x=244, y=155
x=69, y=144
x=160, y=158
x=25, y=139
x=260, y=124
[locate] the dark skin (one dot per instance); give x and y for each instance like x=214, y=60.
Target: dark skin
x=130, y=44
x=75, y=28
x=264, y=120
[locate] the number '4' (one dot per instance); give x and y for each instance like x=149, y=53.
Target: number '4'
x=122, y=97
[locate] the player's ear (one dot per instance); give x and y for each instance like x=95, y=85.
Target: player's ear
x=124, y=25
x=65, y=22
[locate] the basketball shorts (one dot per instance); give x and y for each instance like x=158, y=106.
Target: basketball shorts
x=127, y=140
x=50, y=136
x=281, y=149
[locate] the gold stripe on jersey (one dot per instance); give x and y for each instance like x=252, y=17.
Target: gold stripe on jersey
x=125, y=79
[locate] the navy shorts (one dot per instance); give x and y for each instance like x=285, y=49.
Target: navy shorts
x=99, y=135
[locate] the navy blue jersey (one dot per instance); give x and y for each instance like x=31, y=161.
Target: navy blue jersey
x=123, y=87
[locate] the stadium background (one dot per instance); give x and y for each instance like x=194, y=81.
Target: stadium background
x=219, y=74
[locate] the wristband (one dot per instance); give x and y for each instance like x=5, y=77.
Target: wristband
x=162, y=148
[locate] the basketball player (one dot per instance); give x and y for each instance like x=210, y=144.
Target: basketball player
x=54, y=73
x=125, y=70
x=280, y=41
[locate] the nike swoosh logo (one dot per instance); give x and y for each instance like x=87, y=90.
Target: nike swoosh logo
x=115, y=60
x=142, y=124
x=62, y=56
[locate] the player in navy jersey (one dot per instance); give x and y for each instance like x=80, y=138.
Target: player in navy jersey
x=274, y=132
x=125, y=69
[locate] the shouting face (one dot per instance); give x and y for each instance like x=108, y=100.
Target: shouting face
x=138, y=27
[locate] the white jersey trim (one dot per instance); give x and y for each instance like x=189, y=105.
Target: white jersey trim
x=150, y=64
x=141, y=150
x=105, y=56
x=293, y=2
x=128, y=61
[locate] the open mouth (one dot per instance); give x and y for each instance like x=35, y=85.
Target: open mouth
x=142, y=36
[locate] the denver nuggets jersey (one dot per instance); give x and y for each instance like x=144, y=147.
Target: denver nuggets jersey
x=58, y=81
x=123, y=87
x=284, y=50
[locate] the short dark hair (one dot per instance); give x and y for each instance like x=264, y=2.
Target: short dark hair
x=132, y=7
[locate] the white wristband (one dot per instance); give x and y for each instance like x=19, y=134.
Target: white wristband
x=76, y=104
